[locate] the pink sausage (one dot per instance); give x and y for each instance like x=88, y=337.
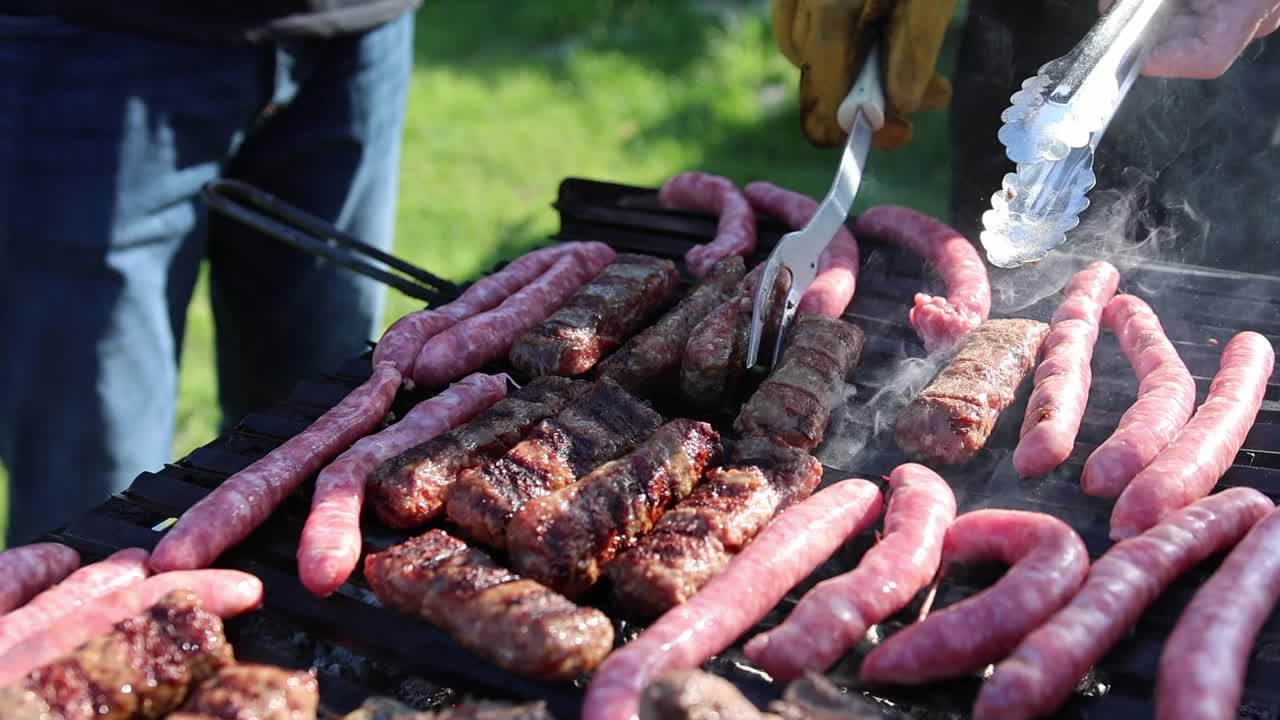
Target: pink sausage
x=1202, y=668
x=402, y=342
x=82, y=587
x=1062, y=379
x=225, y=593
x=1045, y=668
x=1048, y=562
x=329, y=548
x=941, y=323
x=736, y=231
x=31, y=569
x=783, y=554
x=1192, y=464
x=833, y=289
x=479, y=340
x=1166, y=397
x=835, y=614
x=245, y=500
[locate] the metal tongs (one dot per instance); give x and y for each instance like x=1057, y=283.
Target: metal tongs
x=282, y=221
x=793, y=264
x=1053, y=127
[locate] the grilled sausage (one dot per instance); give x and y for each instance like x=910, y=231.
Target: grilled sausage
x=952, y=418
x=800, y=540
x=1048, y=561
x=488, y=336
x=1041, y=673
x=1190, y=466
x=1202, y=668
x=836, y=613
x=31, y=569
x=940, y=322
x=330, y=544
x=253, y=692
x=653, y=356
x=245, y=500
x=694, y=541
x=410, y=489
x=563, y=539
x=402, y=342
x=141, y=667
x=715, y=355
x=1063, y=377
x=513, y=622
x=794, y=404
x=1166, y=397
x=736, y=232
x=832, y=290
x=82, y=587
x=599, y=317
x=602, y=425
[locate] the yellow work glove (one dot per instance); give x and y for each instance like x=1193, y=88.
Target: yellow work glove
x=828, y=40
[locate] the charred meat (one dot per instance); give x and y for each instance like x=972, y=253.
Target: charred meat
x=563, y=539
x=143, y=668
x=654, y=355
x=695, y=540
x=514, y=622
x=715, y=355
x=253, y=692
x=387, y=709
x=601, y=425
x=599, y=317
x=411, y=488
x=951, y=419
x=794, y=404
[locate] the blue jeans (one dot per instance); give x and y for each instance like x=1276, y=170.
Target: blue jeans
x=105, y=142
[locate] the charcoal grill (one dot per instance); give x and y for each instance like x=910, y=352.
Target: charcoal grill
x=360, y=648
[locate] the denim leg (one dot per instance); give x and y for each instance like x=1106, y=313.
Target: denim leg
x=105, y=140
x=333, y=150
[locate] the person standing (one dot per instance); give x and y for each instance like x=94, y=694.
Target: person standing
x=113, y=116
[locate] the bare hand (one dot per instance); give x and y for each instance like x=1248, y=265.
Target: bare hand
x=1204, y=37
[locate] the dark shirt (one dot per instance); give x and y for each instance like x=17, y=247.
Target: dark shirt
x=220, y=21
x=1188, y=168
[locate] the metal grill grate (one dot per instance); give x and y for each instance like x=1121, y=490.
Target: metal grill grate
x=361, y=648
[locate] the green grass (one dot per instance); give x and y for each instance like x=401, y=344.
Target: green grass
x=508, y=99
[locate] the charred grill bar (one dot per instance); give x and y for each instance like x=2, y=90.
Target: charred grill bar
x=360, y=648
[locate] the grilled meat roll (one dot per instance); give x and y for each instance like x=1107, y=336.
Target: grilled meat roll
x=513, y=622
x=598, y=318
x=794, y=404
x=952, y=418
x=253, y=692
x=143, y=668
x=381, y=708
x=654, y=355
x=600, y=426
x=563, y=539
x=694, y=541
x=411, y=488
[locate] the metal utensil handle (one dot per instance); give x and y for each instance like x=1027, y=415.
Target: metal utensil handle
x=1120, y=41
x=308, y=233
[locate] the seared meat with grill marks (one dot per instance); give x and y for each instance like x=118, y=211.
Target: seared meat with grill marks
x=698, y=695
x=654, y=355
x=951, y=419
x=563, y=539
x=694, y=541
x=411, y=488
x=253, y=692
x=794, y=404
x=598, y=318
x=600, y=426
x=388, y=709
x=143, y=668
x=514, y=622
x=715, y=354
